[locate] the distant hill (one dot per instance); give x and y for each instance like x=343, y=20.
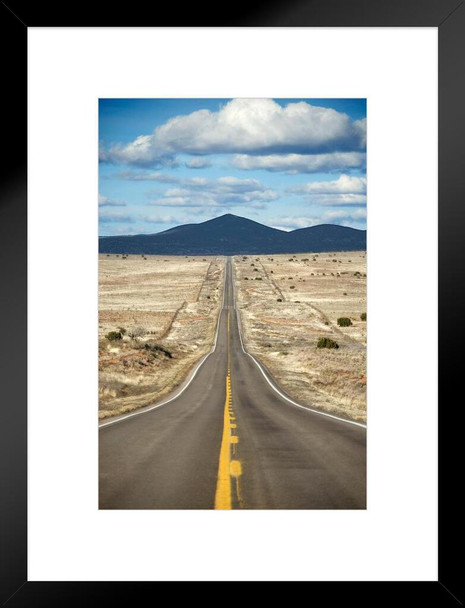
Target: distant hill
x=234, y=235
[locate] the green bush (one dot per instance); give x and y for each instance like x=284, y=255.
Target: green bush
x=279, y=300
x=113, y=335
x=363, y=316
x=344, y=322
x=122, y=330
x=158, y=348
x=327, y=343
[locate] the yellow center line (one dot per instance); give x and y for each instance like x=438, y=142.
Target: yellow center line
x=223, y=485
x=228, y=468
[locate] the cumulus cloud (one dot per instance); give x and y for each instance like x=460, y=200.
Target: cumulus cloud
x=226, y=191
x=342, y=217
x=158, y=219
x=302, y=163
x=109, y=218
x=344, y=200
x=163, y=178
x=292, y=223
x=104, y=201
x=251, y=126
x=344, y=184
x=345, y=190
x=198, y=163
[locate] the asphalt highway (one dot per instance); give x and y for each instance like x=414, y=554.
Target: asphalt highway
x=231, y=440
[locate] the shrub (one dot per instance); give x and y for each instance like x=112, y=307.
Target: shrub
x=113, y=335
x=258, y=279
x=363, y=316
x=327, y=343
x=154, y=348
x=344, y=322
x=122, y=330
x=137, y=332
x=279, y=300
x=292, y=287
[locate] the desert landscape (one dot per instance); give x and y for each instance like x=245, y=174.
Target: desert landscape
x=158, y=315
x=157, y=318
x=288, y=303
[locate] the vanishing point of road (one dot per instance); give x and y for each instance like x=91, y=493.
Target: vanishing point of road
x=231, y=440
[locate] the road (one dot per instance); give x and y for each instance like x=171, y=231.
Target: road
x=231, y=441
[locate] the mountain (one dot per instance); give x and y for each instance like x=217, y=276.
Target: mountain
x=234, y=235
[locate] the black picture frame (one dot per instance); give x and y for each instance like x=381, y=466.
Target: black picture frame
x=446, y=15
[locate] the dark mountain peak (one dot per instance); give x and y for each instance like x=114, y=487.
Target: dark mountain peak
x=231, y=234
x=229, y=219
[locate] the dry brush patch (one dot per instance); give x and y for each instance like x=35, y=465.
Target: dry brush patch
x=166, y=309
x=298, y=300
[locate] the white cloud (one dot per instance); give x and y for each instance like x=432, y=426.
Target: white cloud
x=226, y=191
x=345, y=184
x=198, y=163
x=301, y=163
x=344, y=191
x=292, y=223
x=158, y=219
x=107, y=218
x=343, y=214
x=104, y=201
x=339, y=199
x=333, y=216
x=254, y=126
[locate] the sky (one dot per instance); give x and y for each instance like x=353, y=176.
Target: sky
x=287, y=163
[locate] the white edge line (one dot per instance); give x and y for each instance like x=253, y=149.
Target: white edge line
x=196, y=369
x=309, y=409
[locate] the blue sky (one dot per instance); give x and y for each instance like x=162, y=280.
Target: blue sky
x=287, y=163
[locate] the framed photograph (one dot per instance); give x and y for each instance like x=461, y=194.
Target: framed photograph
x=231, y=253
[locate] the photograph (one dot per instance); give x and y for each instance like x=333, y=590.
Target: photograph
x=232, y=308
x=185, y=202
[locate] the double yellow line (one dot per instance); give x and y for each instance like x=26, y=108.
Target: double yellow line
x=227, y=468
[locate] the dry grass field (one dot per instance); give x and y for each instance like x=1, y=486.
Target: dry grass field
x=165, y=308
x=287, y=303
